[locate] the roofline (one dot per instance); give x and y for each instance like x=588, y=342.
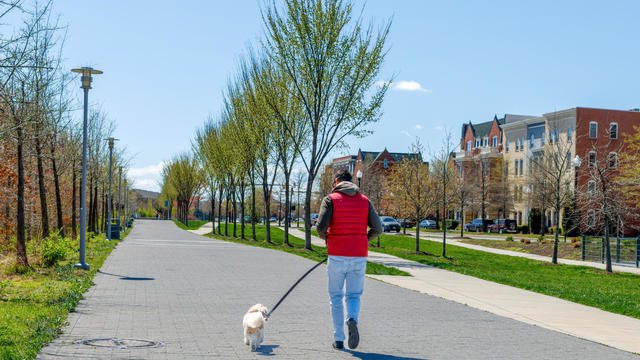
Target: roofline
x=522, y=122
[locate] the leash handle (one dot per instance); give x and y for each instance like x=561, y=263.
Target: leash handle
x=294, y=285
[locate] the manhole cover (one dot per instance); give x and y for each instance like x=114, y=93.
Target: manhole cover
x=121, y=343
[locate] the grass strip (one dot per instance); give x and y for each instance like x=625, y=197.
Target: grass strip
x=193, y=224
x=35, y=302
x=296, y=247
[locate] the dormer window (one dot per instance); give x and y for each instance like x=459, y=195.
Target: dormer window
x=385, y=163
x=486, y=142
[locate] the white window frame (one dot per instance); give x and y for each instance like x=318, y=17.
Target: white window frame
x=469, y=145
x=615, y=156
x=517, y=144
x=550, y=136
x=485, y=142
x=595, y=159
x=494, y=141
x=507, y=146
x=596, y=130
x=591, y=218
x=610, y=126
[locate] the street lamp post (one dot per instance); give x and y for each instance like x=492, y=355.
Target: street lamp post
x=359, y=176
x=126, y=203
x=111, y=141
x=119, y=198
x=86, y=85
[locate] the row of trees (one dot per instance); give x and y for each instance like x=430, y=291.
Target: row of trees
x=307, y=87
x=41, y=144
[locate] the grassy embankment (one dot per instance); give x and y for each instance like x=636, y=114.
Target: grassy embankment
x=296, y=247
x=35, y=301
x=193, y=224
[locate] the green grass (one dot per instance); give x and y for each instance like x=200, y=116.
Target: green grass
x=618, y=292
x=34, y=305
x=193, y=224
x=297, y=247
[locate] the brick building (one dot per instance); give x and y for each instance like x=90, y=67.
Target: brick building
x=366, y=161
x=516, y=139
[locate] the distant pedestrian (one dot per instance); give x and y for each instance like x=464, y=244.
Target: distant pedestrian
x=157, y=216
x=342, y=221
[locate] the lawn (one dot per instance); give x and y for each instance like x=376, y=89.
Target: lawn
x=35, y=302
x=618, y=292
x=565, y=250
x=193, y=224
x=297, y=247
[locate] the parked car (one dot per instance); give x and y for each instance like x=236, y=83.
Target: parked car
x=428, y=224
x=476, y=224
x=273, y=219
x=389, y=224
x=504, y=225
x=406, y=223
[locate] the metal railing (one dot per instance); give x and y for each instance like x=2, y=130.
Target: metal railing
x=624, y=250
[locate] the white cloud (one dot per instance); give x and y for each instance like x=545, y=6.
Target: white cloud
x=404, y=85
x=405, y=133
x=146, y=184
x=438, y=127
x=150, y=170
x=417, y=127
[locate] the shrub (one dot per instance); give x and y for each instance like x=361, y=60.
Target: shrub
x=55, y=248
x=523, y=240
x=543, y=241
x=527, y=241
x=509, y=238
x=577, y=244
x=574, y=240
x=540, y=237
x=524, y=229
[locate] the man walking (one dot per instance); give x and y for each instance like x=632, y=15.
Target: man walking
x=342, y=221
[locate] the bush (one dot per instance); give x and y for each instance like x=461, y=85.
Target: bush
x=523, y=229
x=577, y=244
x=527, y=241
x=574, y=240
x=509, y=238
x=55, y=248
x=543, y=241
x=540, y=238
x=523, y=240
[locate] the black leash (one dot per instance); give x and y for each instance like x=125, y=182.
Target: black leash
x=294, y=285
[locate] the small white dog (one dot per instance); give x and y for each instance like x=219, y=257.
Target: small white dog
x=253, y=324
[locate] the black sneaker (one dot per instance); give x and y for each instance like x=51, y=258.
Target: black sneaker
x=354, y=337
x=338, y=345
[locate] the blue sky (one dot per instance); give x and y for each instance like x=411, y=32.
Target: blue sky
x=166, y=64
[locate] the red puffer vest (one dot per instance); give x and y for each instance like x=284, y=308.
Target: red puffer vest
x=347, y=234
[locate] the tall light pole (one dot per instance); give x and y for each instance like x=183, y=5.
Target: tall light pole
x=111, y=141
x=86, y=85
x=126, y=202
x=119, y=198
x=359, y=176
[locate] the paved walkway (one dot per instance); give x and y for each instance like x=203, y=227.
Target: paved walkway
x=452, y=240
x=203, y=230
x=190, y=293
x=549, y=312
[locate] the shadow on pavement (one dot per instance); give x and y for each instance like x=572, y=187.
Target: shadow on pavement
x=122, y=277
x=267, y=350
x=376, y=356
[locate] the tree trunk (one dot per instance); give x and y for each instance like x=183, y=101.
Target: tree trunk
x=90, y=214
x=212, y=216
x=226, y=217
x=417, y=234
x=444, y=224
x=462, y=221
x=21, y=244
x=242, y=210
x=220, y=209
x=307, y=213
x=95, y=208
x=73, y=201
x=235, y=211
x=41, y=188
x=287, y=209
x=253, y=210
x=56, y=182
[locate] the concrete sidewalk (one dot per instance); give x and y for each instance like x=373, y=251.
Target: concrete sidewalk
x=203, y=230
x=189, y=293
x=578, y=320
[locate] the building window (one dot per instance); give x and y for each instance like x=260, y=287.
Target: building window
x=469, y=145
x=385, y=163
x=486, y=142
x=613, y=131
x=569, y=160
x=521, y=162
x=516, y=167
x=477, y=143
x=532, y=140
x=550, y=136
x=593, y=130
x=613, y=160
x=522, y=143
x=518, y=144
x=592, y=159
x=591, y=187
x=494, y=141
x=557, y=135
x=542, y=138
x=520, y=217
x=569, y=132
x=507, y=147
x=591, y=218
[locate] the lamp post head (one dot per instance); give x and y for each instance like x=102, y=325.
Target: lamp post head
x=111, y=141
x=86, y=75
x=577, y=161
x=359, y=174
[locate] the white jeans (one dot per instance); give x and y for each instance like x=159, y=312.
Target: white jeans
x=346, y=279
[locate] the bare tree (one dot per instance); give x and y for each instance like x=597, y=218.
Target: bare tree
x=443, y=173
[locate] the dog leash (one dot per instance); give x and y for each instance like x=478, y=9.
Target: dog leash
x=294, y=285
